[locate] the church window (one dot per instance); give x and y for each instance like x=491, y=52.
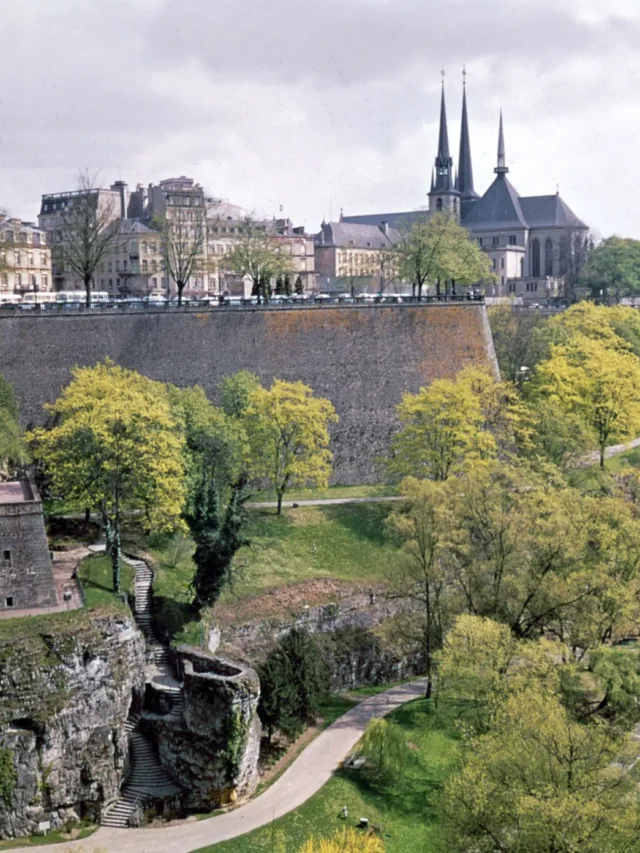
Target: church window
x=501, y=263
x=439, y=204
x=493, y=261
x=521, y=267
x=548, y=257
x=480, y=242
x=496, y=241
x=513, y=240
x=455, y=205
x=535, y=258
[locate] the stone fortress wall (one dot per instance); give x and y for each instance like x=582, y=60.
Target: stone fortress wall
x=363, y=357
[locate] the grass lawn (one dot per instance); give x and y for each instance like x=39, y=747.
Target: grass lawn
x=50, y=838
x=96, y=577
x=406, y=808
x=347, y=542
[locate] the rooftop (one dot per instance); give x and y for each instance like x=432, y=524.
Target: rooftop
x=16, y=492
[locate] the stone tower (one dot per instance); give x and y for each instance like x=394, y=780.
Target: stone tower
x=443, y=195
x=464, y=180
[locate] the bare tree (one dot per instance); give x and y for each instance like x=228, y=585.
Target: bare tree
x=260, y=255
x=183, y=232
x=574, y=247
x=88, y=229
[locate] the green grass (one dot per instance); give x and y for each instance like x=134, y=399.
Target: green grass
x=96, y=576
x=50, y=838
x=346, y=542
x=381, y=490
x=407, y=808
x=630, y=459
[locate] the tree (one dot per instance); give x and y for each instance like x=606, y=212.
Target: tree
x=442, y=429
x=518, y=340
x=539, y=782
x=115, y=447
x=347, y=841
x=385, y=747
x=613, y=268
x=235, y=392
x=597, y=382
x=289, y=436
x=259, y=255
x=88, y=230
x=12, y=449
x=420, y=577
x=438, y=250
x=183, y=235
x=574, y=250
x=293, y=681
x=217, y=476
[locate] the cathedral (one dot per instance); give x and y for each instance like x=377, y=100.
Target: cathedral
x=529, y=239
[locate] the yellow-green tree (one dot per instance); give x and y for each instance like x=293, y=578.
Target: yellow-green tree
x=288, y=431
x=600, y=383
x=115, y=447
x=539, y=782
x=442, y=430
x=385, y=747
x=347, y=841
x=12, y=449
x=419, y=576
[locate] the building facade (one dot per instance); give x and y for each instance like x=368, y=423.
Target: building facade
x=529, y=239
x=356, y=257
x=25, y=257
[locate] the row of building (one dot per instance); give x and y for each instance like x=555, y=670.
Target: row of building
x=529, y=239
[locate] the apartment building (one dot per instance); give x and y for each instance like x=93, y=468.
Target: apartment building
x=25, y=257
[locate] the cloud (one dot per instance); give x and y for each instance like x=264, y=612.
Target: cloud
x=318, y=106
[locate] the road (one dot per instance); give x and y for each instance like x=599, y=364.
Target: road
x=308, y=773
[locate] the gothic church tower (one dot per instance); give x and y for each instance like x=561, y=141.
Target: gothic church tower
x=443, y=195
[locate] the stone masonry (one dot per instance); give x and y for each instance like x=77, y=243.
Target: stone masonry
x=362, y=357
x=26, y=576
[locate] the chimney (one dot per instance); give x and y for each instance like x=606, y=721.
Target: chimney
x=384, y=227
x=122, y=188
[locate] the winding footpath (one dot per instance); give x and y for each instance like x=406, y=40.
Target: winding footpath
x=308, y=773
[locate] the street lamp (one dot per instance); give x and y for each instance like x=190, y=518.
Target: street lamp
x=523, y=376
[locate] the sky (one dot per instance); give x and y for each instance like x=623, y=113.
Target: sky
x=305, y=107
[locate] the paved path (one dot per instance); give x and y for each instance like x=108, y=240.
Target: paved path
x=308, y=773
x=614, y=450
x=325, y=502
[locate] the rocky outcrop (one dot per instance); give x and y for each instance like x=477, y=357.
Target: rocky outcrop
x=212, y=750
x=363, y=635
x=67, y=686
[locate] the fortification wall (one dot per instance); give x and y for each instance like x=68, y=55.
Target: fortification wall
x=362, y=357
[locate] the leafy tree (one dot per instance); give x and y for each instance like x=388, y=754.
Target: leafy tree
x=539, y=782
x=259, y=255
x=385, y=746
x=558, y=435
x=442, y=429
x=438, y=250
x=347, y=841
x=518, y=340
x=12, y=449
x=115, y=447
x=235, y=392
x=420, y=577
x=293, y=681
x=289, y=436
x=599, y=383
x=217, y=450
x=613, y=268
x=88, y=229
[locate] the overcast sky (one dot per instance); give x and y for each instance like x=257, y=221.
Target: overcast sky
x=318, y=105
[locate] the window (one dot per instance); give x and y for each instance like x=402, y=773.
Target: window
x=521, y=267
x=18, y=279
x=30, y=259
x=535, y=258
x=439, y=204
x=109, y=266
x=124, y=266
x=493, y=261
x=480, y=242
x=154, y=266
x=501, y=263
x=6, y=557
x=548, y=257
x=145, y=264
x=17, y=256
x=512, y=240
x=9, y=601
x=512, y=287
x=495, y=241
x=111, y=283
x=117, y=266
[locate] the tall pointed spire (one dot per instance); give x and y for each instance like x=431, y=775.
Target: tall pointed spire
x=465, y=170
x=444, y=161
x=501, y=168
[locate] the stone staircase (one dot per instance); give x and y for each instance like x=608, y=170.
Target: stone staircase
x=147, y=778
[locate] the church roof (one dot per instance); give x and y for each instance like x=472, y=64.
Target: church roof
x=394, y=220
x=355, y=235
x=499, y=207
x=549, y=211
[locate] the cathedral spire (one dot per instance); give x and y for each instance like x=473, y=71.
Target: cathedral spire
x=501, y=168
x=465, y=170
x=444, y=161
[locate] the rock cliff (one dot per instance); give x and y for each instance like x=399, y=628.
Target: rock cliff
x=67, y=685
